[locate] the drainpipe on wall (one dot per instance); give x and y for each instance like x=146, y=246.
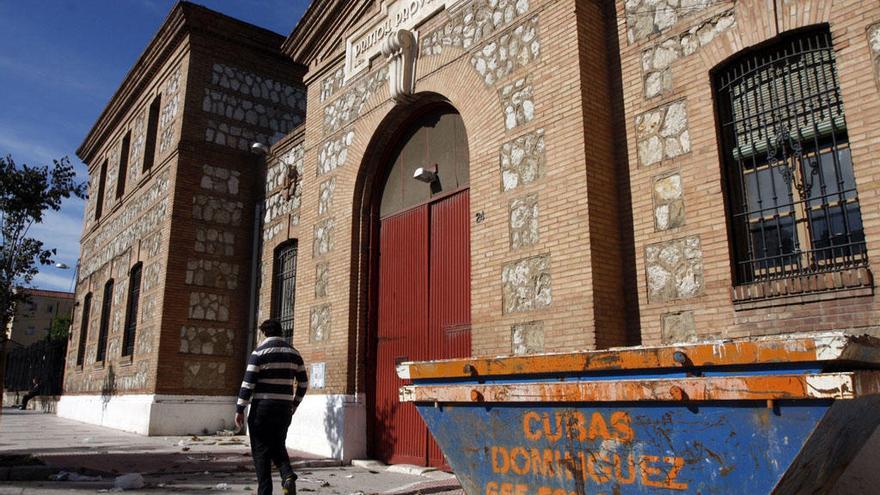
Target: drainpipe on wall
x=256, y=249
x=262, y=151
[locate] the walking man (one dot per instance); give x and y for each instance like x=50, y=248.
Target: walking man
x=268, y=386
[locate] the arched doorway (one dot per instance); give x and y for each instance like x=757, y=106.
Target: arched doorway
x=421, y=295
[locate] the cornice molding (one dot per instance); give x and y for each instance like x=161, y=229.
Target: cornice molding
x=317, y=34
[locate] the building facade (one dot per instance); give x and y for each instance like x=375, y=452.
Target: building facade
x=33, y=319
x=164, y=285
x=493, y=177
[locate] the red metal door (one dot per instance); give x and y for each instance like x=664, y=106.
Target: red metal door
x=399, y=434
x=424, y=313
x=449, y=294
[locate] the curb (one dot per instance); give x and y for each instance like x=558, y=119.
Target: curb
x=317, y=463
x=427, y=487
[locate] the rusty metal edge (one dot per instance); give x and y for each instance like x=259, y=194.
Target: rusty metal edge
x=838, y=386
x=781, y=349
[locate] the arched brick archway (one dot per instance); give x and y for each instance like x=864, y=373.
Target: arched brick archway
x=418, y=265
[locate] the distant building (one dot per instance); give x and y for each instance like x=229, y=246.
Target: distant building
x=469, y=177
x=33, y=318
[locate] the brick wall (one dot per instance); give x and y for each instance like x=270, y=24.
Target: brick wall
x=666, y=65
x=541, y=147
x=133, y=228
x=189, y=219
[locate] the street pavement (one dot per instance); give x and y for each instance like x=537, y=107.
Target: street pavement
x=183, y=464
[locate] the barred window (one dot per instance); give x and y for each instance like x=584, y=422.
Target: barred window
x=791, y=191
x=106, y=305
x=284, y=286
x=131, y=311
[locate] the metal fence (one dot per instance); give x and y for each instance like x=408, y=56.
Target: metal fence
x=43, y=360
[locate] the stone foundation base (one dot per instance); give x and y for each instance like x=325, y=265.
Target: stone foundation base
x=151, y=414
x=331, y=426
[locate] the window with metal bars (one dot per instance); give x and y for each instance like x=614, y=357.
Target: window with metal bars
x=791, y=191
x=131, y=310
x=106, y=304
x=284, y=286
x=84, y=329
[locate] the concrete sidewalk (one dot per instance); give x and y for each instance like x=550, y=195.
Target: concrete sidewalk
x=178, y=464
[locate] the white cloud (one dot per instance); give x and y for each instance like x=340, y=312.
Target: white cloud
x=25, y=150
x=62, y=280
x=61, y=231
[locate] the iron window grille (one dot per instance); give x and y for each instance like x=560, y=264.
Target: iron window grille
x=84, y=329
x=790, y=182
x=284, y=286
x=106, y=304
x=131, y=311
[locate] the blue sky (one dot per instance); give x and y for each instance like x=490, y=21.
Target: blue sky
x=60, y=62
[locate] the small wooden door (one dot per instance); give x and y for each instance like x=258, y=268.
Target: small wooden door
x=423, y=314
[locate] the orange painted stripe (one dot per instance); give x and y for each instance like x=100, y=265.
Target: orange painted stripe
x=780, y=387
x=784, y=349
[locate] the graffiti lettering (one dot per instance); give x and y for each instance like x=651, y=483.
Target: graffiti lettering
x=574, y=425
x=598, y=449
x=494, y=488
x=599, y=467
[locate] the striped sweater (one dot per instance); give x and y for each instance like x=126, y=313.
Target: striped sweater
x=271, y=371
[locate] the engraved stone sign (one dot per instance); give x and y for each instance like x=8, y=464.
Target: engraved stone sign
x=395, y=15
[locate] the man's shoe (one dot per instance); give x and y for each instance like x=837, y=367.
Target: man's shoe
x=288, y=486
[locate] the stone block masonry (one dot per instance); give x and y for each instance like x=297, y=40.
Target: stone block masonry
x=675, y=269
x=663, y=133
x=212, y=273
x=668, y=202
x=201, y=375
x=138, y=139
x=472, y=23
x=645, y=18
x=522, y=160
x=526, y=285
x=216, y=210
x=517, y=48
x=207, y=341
x=334, y=153
x=112, y=161
x=321, y=318
x=332, y=83
x=214, y=242
x=527, y=338
x=348, y=107
x=524, y=221
x=322, y=279
x=171, y=105
x=220, y=180
x=284, y=197
x=657, y=61
x=206, y=306
x=517, y=99
x=325, y=198
x=143, y=214
x=323, y=242
x=246, y=107
x=874, y=43
x=678, y=327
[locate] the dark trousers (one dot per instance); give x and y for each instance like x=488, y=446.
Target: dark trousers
x=268, y=423
x=26, y=398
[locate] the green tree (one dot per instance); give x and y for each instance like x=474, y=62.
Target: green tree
x=60, y=328
x=26, y=193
